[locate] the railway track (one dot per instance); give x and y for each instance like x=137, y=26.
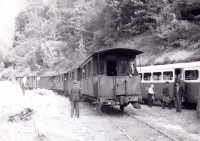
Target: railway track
x=136, y=129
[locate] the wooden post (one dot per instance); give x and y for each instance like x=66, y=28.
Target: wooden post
x=198, y=104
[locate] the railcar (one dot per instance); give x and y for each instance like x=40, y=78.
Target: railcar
x=159, y=74
x=103, y=78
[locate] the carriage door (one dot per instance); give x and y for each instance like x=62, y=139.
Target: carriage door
x=180, y=75
x=191, y=84
x=111, y=68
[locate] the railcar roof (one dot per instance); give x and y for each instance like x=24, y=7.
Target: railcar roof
x=170, y=66
x=134, y=51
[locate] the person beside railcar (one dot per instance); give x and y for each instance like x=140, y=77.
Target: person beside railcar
x=178, y=96
x=166, y=97
x=151, y=94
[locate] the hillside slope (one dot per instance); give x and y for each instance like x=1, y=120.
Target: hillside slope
x=54, y=36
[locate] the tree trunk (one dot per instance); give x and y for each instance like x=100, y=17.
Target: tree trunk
x=198, y=105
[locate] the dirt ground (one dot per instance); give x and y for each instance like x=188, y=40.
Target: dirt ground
x=55, y=124
x=183, y=126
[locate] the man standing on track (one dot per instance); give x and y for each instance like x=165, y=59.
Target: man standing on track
x=75, y=96
x=178, y=96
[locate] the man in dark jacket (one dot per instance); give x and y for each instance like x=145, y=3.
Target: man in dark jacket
x=178, y=96
x=166, y=98
x=75, y=96
x=131, y=69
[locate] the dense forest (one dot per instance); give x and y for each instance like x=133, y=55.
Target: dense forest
x=56, y=35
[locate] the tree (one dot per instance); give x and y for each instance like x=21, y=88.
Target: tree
x=133, y=17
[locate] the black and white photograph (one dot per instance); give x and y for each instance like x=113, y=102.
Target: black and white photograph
x=99, y=70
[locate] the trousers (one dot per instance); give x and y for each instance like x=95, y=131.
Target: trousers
x=150, y=101
x=75, y=106
x=23, y=89
x=165, y=103
x=178, y=104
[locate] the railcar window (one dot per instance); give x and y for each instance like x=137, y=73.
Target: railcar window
x=123, y=66
x=168, y=75
x=147, y=76
x=100, y=67
x=191, y=74
x=140, y=74
x=157, y=76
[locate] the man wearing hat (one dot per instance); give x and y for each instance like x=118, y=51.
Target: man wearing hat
x=166, y=98
x=178, y=96
x=75, y=96
x=131, y=69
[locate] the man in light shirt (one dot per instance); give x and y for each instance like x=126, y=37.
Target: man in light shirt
x=151, y=93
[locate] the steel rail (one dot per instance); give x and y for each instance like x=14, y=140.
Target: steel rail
x=118, y=126
x=151, y=126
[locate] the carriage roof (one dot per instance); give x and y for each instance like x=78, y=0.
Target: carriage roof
x=170, y=66
x=115, y=50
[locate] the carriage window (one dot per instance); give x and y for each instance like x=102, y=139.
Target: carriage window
x=89, y=69
x=147, y=76
x=157, y=76
x=100, y=67
x=58, y=78
x=66, y=76
x=84, y=71
x=168, y=75
x=72, y=75
x=191, y=74
x=123, y=66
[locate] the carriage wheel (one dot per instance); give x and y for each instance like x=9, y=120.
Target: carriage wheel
x=122, y=108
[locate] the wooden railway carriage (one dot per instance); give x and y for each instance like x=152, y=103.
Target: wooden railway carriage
x=32, y=82
x=69, y=77
x=158, y=75
x=103, y=78
x=47, y=82
x=64, y=80
x=59, y=82
x=19, y=80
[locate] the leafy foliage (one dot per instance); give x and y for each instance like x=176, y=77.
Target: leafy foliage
x=54, y=35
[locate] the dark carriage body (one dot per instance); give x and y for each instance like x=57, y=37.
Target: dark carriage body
x=103, y=77
x=64, y=81
x=46, y=82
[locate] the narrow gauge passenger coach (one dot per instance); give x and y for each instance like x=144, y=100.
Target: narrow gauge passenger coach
x=159, y=74
x=103, y=78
